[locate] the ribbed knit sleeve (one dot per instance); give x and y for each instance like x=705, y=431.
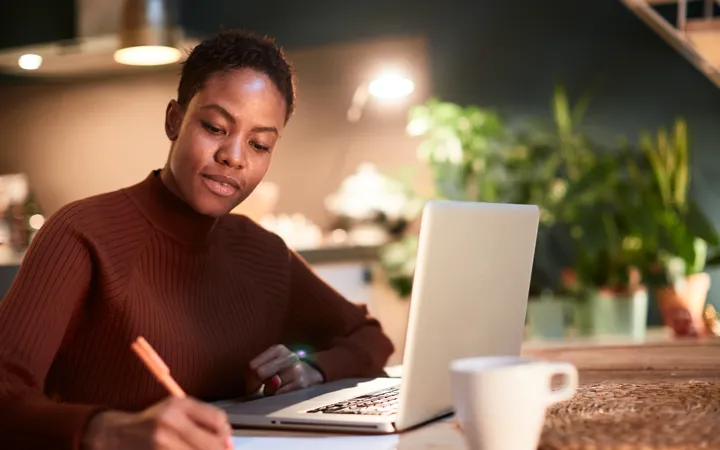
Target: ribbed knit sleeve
x=34, y=316
x=349, y=342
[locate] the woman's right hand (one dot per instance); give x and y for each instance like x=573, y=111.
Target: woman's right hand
x=175, y=423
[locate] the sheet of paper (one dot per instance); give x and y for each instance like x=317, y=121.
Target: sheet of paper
x=385, y=442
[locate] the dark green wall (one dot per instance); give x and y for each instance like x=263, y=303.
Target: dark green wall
x=506, y=54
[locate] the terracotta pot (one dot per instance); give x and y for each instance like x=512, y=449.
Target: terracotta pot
x=682, y=306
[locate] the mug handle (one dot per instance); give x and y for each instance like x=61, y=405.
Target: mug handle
x=568, y=391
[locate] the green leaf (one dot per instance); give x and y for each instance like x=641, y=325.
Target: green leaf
x=561, y=111
x=682, y=178
x=700, y=247
x=654, y=157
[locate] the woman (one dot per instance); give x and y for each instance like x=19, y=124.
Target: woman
x=218, y=297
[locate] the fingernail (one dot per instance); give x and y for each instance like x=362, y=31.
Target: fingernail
x=275, y=381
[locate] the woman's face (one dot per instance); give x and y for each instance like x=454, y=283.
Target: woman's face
x=223, y=141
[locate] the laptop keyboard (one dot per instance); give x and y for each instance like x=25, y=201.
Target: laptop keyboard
x=380, y=403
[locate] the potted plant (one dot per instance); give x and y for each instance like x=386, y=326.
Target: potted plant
x=609, y=248
x=473, y=156
x=576, y=184
x=685, y=243
x=467, y=150
x=556, y=156
x=590, y=202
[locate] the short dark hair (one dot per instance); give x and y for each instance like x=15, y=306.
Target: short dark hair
x=237, y=49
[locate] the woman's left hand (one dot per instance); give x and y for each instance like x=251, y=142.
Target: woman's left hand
x=281, y=371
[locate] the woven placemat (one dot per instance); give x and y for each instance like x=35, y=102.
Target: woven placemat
x=636, y=416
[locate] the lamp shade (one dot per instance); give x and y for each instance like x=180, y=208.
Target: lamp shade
x=148, y=33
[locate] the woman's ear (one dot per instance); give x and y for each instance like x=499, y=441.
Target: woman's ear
x=173, y=119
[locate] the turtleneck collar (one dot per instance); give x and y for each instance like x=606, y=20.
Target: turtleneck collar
x=170, y=213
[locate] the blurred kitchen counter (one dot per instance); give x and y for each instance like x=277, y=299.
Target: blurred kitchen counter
x=340, y=254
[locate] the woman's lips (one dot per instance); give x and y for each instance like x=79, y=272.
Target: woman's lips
x=221, y=185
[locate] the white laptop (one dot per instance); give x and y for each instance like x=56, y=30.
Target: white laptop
x=469, y=298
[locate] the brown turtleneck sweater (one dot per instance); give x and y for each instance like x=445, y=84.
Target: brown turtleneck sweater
x=208, y=294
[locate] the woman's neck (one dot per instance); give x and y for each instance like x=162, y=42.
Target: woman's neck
x=168, y=179
x=168, y=211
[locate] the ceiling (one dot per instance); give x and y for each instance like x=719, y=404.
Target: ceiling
x=76, y=38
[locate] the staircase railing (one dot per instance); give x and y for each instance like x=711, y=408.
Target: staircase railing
x=679, y=35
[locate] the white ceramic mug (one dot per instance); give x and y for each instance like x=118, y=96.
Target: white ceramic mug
x=500, y=401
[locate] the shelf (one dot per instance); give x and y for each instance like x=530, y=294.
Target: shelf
x=340, y=254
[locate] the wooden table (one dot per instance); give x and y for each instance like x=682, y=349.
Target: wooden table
x=646, y=363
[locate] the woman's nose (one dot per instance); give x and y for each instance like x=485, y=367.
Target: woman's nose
x=231, y=154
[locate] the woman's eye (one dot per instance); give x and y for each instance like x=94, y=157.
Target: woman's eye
x=213, y=129
x=259, y=147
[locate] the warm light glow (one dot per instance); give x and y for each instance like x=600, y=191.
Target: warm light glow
x=391, y=86
x=147, y=55
x=30, y=61
x=36, y=221
x=417, y=127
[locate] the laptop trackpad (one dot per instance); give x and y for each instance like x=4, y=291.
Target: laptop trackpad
x=321, y=394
